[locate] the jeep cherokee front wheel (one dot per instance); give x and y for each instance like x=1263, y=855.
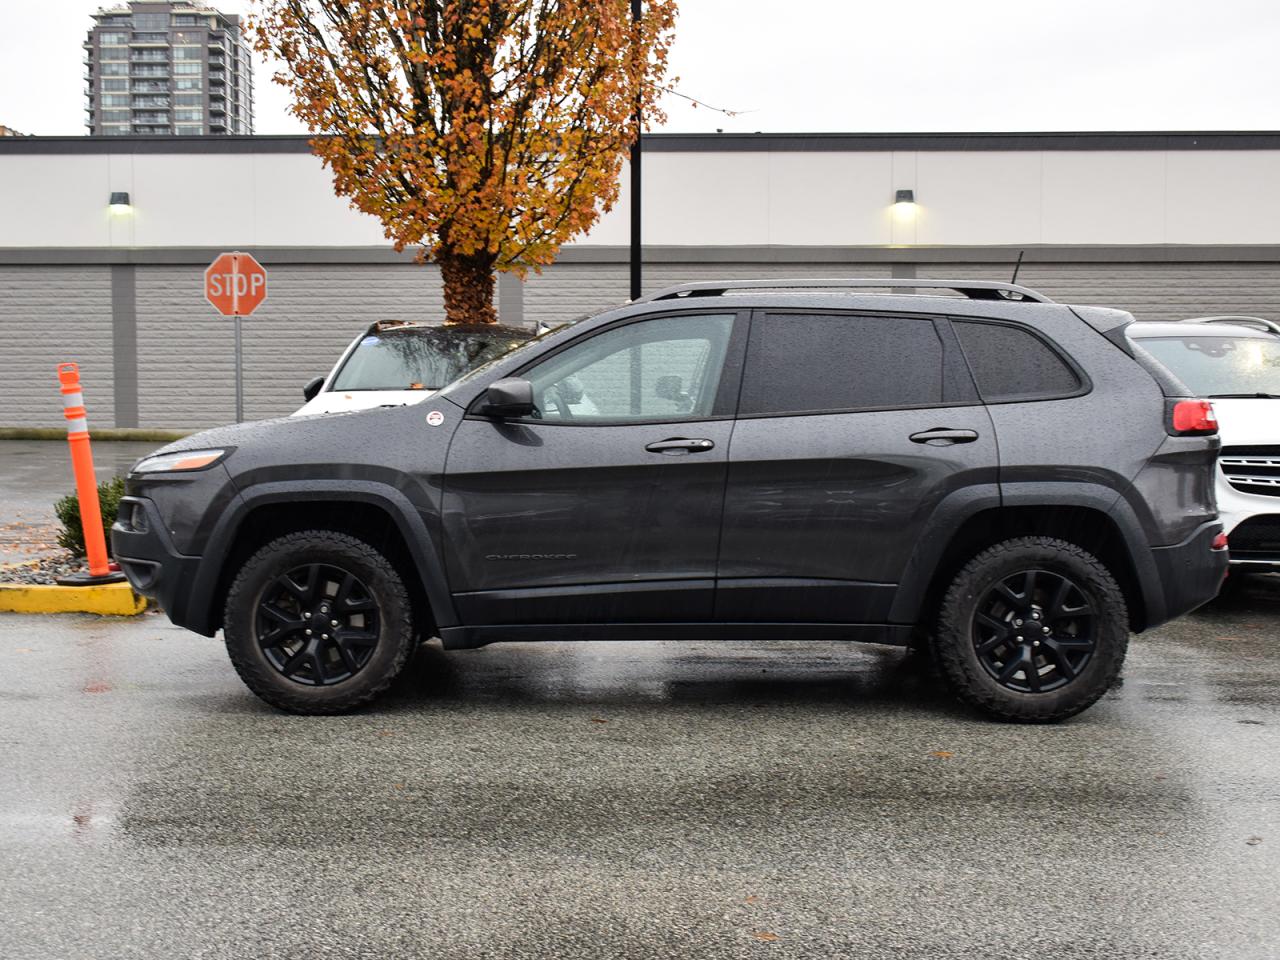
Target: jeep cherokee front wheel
x=1033, y=630
x=318, y=622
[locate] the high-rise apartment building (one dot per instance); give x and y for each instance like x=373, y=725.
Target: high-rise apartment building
x=178, y=68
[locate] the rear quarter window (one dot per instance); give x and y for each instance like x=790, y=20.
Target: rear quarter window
x=1012, y=363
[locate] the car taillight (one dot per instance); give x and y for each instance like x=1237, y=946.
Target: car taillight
x=1192, y=418
x=1220, y=542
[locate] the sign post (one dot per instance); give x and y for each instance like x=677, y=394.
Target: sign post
x=236, y=284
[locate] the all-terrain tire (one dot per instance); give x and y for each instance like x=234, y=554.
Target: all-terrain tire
x=959, y=633
x=380, y=584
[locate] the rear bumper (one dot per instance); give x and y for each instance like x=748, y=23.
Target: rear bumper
x=1191, y=572
x=146, y=554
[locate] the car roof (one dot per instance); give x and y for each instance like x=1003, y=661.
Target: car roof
x=1148, y=329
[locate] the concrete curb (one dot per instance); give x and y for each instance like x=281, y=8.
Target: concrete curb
x=111, y=599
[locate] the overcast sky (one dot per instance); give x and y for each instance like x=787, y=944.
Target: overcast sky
x=835, y=65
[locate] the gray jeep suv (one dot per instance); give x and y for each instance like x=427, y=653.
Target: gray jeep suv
x=1003, y=480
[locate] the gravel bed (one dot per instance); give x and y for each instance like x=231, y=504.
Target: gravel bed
x=45, y=570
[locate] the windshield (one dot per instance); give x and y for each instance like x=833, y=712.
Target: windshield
x=524, y=348
x=423, y=358
x=1221, y=366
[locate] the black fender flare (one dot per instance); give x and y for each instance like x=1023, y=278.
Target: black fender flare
x=944, y=523
x=409, y=522
x=958, y=507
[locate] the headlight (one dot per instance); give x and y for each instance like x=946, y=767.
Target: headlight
x=176, y=462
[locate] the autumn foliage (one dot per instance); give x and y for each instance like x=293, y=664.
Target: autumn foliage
x=488, y=133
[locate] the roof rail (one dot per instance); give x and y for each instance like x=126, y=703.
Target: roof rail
x=1253, y=323
x=973, y=289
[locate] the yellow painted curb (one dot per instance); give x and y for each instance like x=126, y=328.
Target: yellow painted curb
x=112, y=599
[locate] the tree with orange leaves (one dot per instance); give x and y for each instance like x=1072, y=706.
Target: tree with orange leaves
x=488, y=132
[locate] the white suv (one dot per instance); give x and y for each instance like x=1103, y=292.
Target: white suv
x=394, y=363
x=1235, y=361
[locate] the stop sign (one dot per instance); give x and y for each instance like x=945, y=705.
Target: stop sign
x=235, y=284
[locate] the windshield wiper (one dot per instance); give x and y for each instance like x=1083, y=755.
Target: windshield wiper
x=1244, y=396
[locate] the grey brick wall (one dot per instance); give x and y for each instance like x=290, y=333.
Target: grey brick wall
x=1150, y=291
x=568, y=290
x=50, y=315
x=186, y=351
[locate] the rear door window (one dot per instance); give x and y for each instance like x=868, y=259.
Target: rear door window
x=828, y=363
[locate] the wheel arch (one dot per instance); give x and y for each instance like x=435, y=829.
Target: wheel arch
x=1092, y=520
x=379, y=515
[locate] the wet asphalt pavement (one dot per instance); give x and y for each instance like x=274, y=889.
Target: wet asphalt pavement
x=636, y=800
x=34, y=474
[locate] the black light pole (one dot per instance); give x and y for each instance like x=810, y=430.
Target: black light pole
x=635, y=185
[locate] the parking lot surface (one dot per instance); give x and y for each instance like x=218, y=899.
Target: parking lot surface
x=636, y=800
x=34, y=474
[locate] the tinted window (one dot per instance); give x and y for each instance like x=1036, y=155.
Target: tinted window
x=666, y=369
x=1013, y=364
x=813, y=363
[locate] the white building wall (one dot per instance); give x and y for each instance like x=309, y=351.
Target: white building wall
x=735, y=198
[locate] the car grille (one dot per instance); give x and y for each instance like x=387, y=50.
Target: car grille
x=1256, y=537
x=1252, y=469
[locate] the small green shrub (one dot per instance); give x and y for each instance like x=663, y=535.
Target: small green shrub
x=67, y=509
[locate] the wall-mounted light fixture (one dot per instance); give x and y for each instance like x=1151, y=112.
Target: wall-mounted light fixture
x=119, y=203
x=904, y=204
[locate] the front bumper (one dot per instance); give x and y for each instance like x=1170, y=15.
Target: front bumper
x=1257, y=547
x=142, y=546
x=1191, y=572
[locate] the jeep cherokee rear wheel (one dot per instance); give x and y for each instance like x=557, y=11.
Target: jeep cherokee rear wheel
x=318, y=622
x=1033, y=630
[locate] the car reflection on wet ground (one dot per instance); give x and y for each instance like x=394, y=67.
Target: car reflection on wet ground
x=637, y=800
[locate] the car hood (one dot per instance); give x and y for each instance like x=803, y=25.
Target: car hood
x=341, y=401
x=388, y=444
x=1248, y=422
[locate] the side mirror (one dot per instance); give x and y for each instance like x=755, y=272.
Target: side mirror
x=312, y=388
x=509, y=397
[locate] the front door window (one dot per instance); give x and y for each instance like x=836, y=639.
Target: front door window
x=654, y=370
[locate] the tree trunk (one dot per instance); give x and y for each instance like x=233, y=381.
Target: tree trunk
x=468, y=287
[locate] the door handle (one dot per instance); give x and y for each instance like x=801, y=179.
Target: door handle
x=678, y=445
x=940, y=437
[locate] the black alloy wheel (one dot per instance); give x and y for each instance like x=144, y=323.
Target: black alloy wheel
x=317, y=624
x=1034, y=631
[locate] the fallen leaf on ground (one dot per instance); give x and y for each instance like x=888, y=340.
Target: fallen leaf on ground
x=1161, y=776
x=1253, y=841
x=942, y=754
x=752, y=899
x=765, y=935
x=598, y=720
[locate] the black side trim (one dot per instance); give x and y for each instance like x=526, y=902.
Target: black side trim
x=604, y=602
x=456, y=638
